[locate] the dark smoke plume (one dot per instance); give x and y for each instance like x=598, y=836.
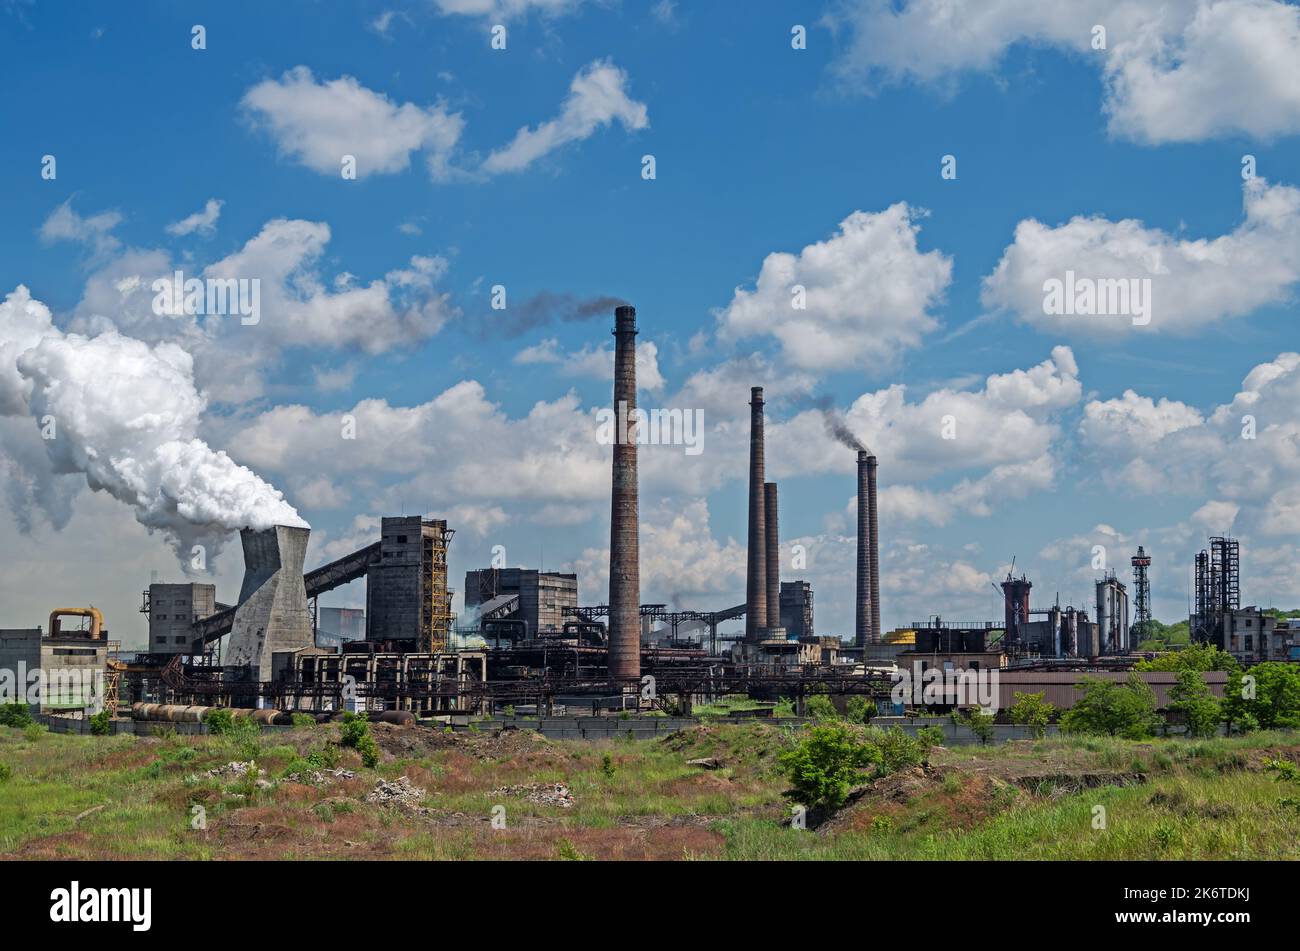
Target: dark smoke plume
x=545, y=308
x=836, y=425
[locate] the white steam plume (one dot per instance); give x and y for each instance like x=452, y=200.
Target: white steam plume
x=126, y=415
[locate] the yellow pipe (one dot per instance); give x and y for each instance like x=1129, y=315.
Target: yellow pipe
x=96, y=619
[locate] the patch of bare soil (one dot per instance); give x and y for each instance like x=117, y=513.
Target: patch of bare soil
x=936, y=797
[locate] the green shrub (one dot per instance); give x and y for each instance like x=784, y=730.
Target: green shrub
x=825, y=765
x=15, y=714
x=247, y=734
x=303, y=719
x=1032, y=710
x=607, y=764
x=930, y=737
x=898, y=750
x=977, y=721
x=369, y=751
x=859, y=709
x=34, y=731
x=5, y=772
x=819, y=707
x=220, y=722
x=100, y=723
x=1110, y=709
x=355, y=727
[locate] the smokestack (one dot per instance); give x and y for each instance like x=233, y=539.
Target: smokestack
x=272, y=612
x=862, y=633
x=756, y=572
x=873, y=532
x=772, y=557
x=624, y=554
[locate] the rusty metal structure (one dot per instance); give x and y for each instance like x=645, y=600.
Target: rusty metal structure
x=756, y=565
x=624, y=550
x=1015, y=601
x=1141, y=562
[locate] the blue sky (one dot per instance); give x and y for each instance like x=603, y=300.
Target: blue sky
x=759, y=149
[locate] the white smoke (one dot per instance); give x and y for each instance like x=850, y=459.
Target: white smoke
x=126, y=416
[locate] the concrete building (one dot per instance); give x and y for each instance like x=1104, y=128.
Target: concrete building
x=1252, y=636
x=172, y=609
x=538, y=598
x=797, y=609
x=59, y=674
x=272, y=614
x=407, y=598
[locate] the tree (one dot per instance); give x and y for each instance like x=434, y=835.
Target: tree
x=1192, y=698
x=859, y=709
x=826, y=764
x=1235, y=706
x=819, y=707
x=1195, y=657
x=1112, y=709
x=1276, y=703
x=1031, y=709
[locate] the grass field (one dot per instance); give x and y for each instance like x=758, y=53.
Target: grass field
x=128, y=797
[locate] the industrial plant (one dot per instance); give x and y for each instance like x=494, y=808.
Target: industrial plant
x=531, y=641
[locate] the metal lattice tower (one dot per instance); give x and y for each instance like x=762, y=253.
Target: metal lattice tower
x=1142, y=611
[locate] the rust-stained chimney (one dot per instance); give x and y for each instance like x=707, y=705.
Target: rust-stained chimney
x=624, y=554
x=756, y=571
x=873, y=532
x=772, y=557
x=862, y=634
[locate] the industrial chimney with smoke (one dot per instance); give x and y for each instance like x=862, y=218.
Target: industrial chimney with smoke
x=868, y=600
x=862, y=613
x=873, y=529
x=756, y=569
x=624, y=553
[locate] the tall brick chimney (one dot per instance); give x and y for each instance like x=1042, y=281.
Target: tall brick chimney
x=772, y=556
x=756, y=569
x=862, y=613
x=624, y=548
x=873, y=531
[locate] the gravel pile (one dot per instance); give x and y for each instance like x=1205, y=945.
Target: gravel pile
x=543, y=794
x=399, y=792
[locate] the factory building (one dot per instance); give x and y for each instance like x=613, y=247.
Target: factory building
x=56, y=671
x=797, y=609
x=542, y=600
x=407, y=598
x=172, y=610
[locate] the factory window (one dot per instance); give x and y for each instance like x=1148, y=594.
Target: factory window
x=162, y=617
x=1248, y=622
x=180, y=640
x=401, y=539
x=74, y=651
